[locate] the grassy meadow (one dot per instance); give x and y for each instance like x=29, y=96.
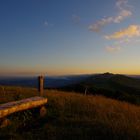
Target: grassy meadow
x=71, y=116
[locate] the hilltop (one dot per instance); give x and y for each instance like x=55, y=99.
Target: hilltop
x=111, y=85
x=72, y=116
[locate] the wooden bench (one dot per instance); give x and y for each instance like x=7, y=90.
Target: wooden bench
x=21, y=105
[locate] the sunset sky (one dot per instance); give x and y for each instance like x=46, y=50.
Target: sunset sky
x=58, y=37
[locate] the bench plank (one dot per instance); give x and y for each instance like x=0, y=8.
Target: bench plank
x=24, y=104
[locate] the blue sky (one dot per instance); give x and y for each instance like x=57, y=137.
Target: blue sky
x=69, y=37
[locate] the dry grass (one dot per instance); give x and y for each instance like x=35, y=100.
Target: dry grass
x=75, y=116
x=106, y=117
x=10, y=93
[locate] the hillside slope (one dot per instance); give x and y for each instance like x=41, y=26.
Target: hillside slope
x=75, y=117
x=111, y=85
x=105, y=79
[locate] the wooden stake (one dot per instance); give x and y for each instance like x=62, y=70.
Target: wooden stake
x=41, y=85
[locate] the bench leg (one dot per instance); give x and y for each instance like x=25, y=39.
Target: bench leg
x=43, y=111
x=4, y=122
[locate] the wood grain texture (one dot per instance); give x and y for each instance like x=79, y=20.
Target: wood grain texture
x=12, y=107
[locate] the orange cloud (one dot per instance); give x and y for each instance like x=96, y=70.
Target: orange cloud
x=131, y=31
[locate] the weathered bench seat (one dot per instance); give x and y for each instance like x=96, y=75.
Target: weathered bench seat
x=24, y=104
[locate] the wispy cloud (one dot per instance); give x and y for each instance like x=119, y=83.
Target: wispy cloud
x=129, y=32
x=123, y=41
x=112, y=49
x=76, y=18
x=123, y=36
x=124, y=12
x=96, y=27
x=121, y=16
x=122, y=4
x=46, y=23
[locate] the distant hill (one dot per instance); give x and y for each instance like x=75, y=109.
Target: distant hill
x=50, y=81
x=116, y=86
x=112, y=81
x=111, y=85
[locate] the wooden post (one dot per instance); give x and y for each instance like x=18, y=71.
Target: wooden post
x=86, y=91
x=41, y=85
x=43, y=111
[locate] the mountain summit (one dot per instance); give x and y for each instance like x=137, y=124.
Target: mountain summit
x=111, y=85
